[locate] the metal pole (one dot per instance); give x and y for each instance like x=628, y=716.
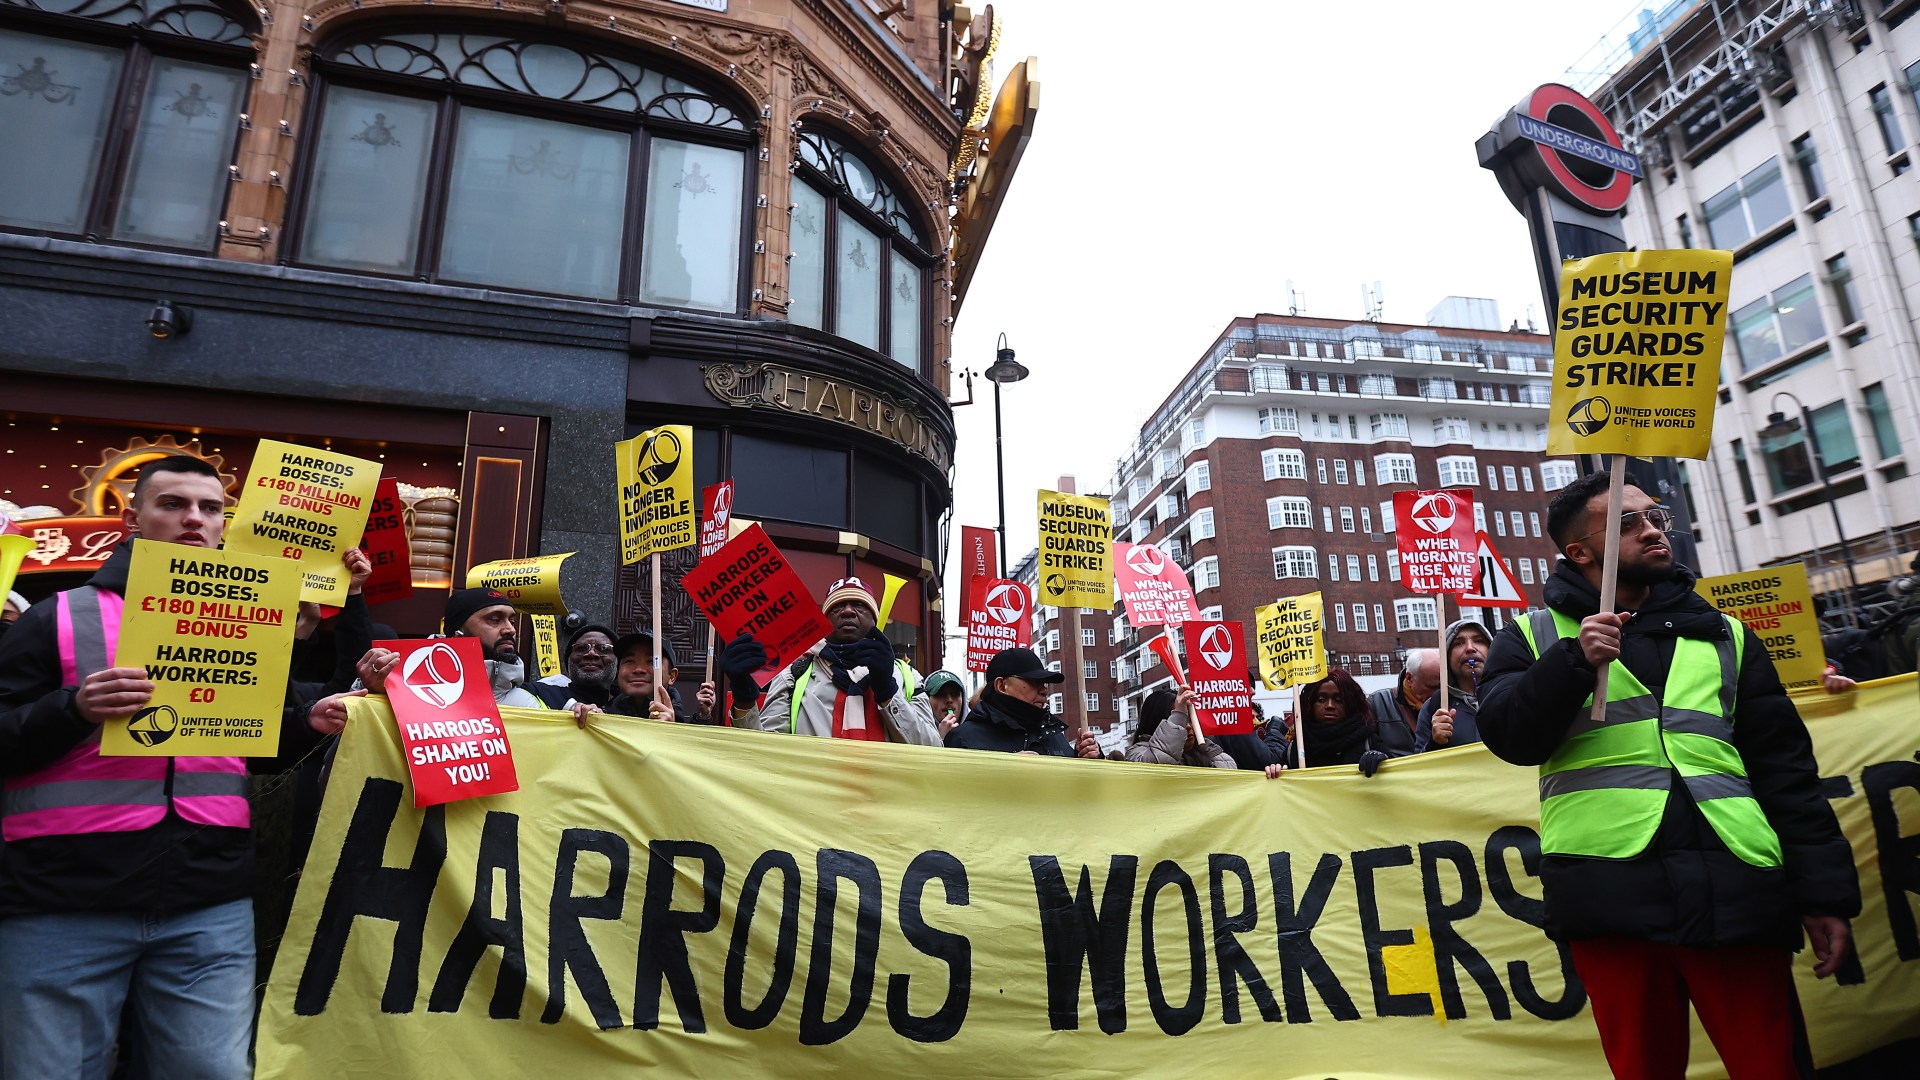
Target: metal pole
x=1833, y=506
x=1000, y=477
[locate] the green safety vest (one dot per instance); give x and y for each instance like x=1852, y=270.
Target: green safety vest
x=1603, y=792
x=800, y=687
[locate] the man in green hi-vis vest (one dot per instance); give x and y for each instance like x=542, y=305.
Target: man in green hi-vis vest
x=1685, y=843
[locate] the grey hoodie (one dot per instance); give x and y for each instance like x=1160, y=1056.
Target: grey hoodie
x=1464, y=700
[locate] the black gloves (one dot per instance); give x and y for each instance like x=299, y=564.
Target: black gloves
x=875, y=653
x=738, y=661
x=1370, y=761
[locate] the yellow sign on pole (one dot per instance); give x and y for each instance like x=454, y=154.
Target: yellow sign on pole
x=546, y=644
x=1776, y=604
x=1290, y=641
x=309, y=506
x=655, y=471
x=1076, y=551
x=1636, y=353
x=533, y=584
x=214, y=630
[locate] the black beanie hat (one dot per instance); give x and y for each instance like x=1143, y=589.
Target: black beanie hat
x=462, y=603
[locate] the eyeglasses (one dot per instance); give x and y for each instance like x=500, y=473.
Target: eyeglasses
x=1659, y=517
x=591, y=649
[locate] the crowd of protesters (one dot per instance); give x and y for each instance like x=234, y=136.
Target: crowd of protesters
x=124, y=882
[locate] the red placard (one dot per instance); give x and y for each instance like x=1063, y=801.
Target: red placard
x=386, y=544
x=450, y=728
x=749, y=586
x=1217, y=667
x=979, y=553
x=1435, y=532
x=716, y=512
x=998, y=617
x=1154, y=588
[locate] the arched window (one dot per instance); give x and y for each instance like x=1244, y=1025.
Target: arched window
x=120, y=117
x=872, y=290
x=492, y=157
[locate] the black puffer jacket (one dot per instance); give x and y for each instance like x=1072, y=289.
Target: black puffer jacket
x=1009, y=726
x=1686, y=888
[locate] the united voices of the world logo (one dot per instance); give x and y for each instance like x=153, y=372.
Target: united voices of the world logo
x=659, y=457
x=1216, y=645
x=1006, y=603
x=434, y=675
x=1146, y=561
x=153, y=726
x=1434, y=512
x=1589, y=415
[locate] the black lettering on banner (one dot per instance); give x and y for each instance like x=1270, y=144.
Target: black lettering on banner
x=954, y=949
x=1300, y=958
x=363, y=885
x=664, y=930
x=1850, y=972
x=1449, y=948
x=1899, y=855
x=567, y=945
x=1229, y=955
x=1174, y=1021
x=1376, y=938
x=1074, y=936
x=786, y=943
x=834, y=865
x=499, y=849
x=1523, y=908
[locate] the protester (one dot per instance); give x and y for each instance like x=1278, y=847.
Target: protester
x=587, y=671
x=946, y=696
x=476, y=613
x=851, y=687
x=1395, y=710
x=15, y=607
x=142, y=904
x=1012, y=716
x=1687, y=841
x=1467, y=644
x=1167, y=735
x=1335, y=727
x=634, y=684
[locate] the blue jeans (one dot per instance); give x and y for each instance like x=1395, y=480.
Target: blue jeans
x=187, y=978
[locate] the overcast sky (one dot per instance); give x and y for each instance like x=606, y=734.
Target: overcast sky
x=1182, y=170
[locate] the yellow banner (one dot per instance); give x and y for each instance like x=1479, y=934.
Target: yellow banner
x=1776, y=604
x=533, y=584
x=306, y=505
x=546, y=644
x=214, y=629
x=1076, y=551
x=1319, y=925
x=657, y=511
x=1290, y=639
x=1636, y=353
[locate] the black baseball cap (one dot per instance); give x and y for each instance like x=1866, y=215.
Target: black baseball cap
x=1021, y=664
x=640, y=639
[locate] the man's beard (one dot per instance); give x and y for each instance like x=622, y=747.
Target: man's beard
x=503, y=652
x=602, y=681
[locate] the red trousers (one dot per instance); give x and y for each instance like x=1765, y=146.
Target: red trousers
x=1744, y=995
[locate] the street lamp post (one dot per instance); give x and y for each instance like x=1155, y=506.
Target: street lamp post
x=1005, y=369
x=1780, y=426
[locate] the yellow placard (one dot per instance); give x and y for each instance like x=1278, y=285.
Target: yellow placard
x=546, y=644
x=13, y=552
x=533, y=584
x=1313, y=926
x=657, y=511
x=1776, y=604
x=1076, y=551
x=1290, y=639
x=1636, y=353
x=306, y=505
x=214, y=630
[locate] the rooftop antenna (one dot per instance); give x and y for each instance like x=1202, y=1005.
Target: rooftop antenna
x=1373, y=301
x=1296, y=301
x=1532, y=327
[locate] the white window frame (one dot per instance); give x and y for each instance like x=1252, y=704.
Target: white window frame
x=1295, y=561
x=1283, y=465
x=1458, y=470
x=1289, y=512
x=1414, y=613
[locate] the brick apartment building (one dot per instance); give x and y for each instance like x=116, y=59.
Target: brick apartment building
x=1270, y=471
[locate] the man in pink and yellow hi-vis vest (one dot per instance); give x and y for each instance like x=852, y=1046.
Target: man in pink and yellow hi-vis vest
x=125, y=882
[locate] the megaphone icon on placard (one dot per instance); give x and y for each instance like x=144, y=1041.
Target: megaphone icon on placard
x=434, y=675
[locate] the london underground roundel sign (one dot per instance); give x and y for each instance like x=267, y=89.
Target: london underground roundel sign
x=1577, y=147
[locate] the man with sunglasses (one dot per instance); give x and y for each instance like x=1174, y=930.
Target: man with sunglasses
x=1686, y=844
x=587, y=671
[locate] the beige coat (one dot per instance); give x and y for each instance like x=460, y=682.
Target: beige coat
x=908, y=720
x=1168, y=746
